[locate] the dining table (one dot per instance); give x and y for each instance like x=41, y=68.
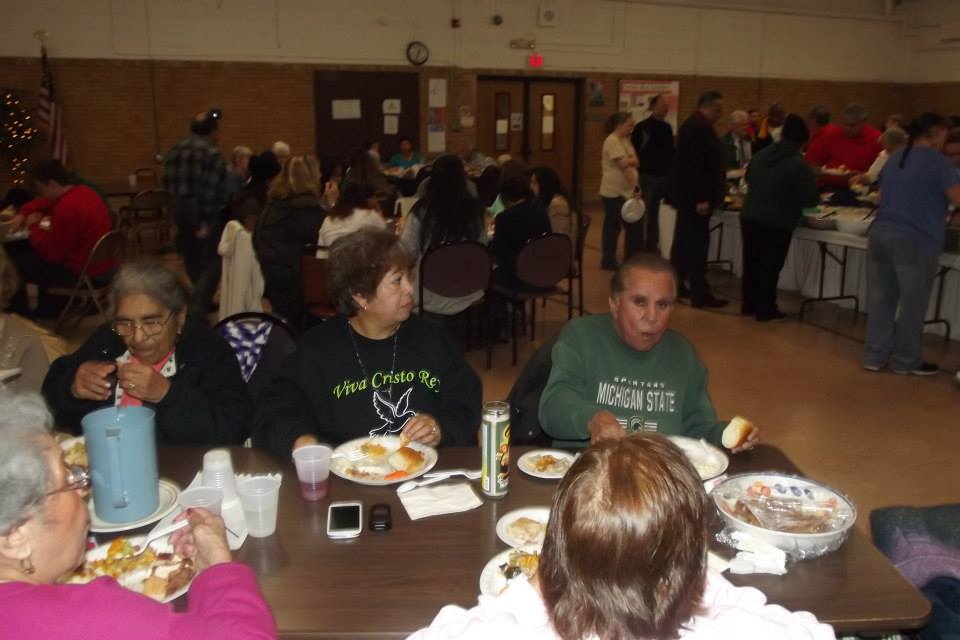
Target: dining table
x=387, y=584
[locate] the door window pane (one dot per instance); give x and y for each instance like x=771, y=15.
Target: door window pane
x=547, y=121
x=502, y=122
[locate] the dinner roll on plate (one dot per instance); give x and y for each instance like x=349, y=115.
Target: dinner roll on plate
x=406, y=459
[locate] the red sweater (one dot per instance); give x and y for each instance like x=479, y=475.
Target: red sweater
x=835, y=149
x=77, y=220
x=816, y=147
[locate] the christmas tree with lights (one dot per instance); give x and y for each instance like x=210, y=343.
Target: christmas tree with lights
x=16, y=134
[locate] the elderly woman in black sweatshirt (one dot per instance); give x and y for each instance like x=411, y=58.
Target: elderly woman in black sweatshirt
x=152, y=353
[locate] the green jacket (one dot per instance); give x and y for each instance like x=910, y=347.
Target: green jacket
x=780, y=184
x=664, y=389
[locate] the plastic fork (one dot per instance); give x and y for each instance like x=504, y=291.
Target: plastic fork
x=159, y=535
x=446, y=473
x=353, y=456
x=437, y=476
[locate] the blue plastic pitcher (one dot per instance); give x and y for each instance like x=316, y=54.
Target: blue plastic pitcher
x=123, y=462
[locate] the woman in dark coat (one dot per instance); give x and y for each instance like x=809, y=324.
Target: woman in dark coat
x=153, y=354
x=291, y=220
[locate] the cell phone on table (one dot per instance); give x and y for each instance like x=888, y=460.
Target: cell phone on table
x=380, y=517
x=344, y=519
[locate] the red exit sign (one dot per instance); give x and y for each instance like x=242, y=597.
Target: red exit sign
x=535, y=60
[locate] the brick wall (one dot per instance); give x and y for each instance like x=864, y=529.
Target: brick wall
x=942, y=97
x=113, y=127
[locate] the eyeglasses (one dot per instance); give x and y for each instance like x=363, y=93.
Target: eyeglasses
x=78, y=478
x=150, y=327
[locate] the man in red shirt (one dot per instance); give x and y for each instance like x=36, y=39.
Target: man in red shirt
x=853, y=146
x=818, y=121
x=64, y=222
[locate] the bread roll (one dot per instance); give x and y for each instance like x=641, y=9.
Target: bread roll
x=406, y=459
x=736, y=432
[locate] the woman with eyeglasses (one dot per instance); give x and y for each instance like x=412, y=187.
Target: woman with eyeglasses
x=43, y=534
x=152, y=353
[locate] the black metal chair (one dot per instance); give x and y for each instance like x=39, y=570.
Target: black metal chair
x=316, y=297
x=584, y=227
x=456, y=270
x=259, y=360
x=542, y=263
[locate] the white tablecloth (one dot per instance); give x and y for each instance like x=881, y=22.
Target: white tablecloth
x=801, y=272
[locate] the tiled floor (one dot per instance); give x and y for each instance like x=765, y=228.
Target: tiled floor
x=883, y=439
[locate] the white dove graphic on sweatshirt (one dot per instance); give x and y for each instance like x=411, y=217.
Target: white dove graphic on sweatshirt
x=394, y=416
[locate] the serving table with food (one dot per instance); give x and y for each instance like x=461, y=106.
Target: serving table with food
x=389, y=583
x=826, y=263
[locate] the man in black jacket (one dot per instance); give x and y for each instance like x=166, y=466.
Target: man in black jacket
x=653, y=140
x=697, y=188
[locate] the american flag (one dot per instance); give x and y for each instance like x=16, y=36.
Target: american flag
x=49, y=113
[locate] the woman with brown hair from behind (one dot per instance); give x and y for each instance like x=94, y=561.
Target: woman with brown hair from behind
x=625, y=556
x=290, y=221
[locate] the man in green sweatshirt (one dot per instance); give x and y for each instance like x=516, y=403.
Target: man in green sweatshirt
x=624, y=372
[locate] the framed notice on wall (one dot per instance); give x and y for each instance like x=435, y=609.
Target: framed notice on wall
x=634, y=96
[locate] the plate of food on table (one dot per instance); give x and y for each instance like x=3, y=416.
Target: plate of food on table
x=75, y=451
x=708, y=460
x=524, y=528
x=549, y=464
x=507, y=566
x=158, y=572
x=382, y=460
x=842, y=170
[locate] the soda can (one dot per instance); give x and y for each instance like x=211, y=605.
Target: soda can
x=495, y=449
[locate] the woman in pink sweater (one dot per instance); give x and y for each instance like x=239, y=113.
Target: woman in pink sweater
x=43, y=530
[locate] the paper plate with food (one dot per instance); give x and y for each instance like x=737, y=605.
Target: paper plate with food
x=505, y=567
x=550, y=464
x=158, y=572
x=842, y=170
x=708, y=460
x=75, y=451
x=524, y=528
x=382, y=460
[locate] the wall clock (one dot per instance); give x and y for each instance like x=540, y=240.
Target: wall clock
x=417, y=53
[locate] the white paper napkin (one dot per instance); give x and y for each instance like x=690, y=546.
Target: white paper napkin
x=231, y=511
x=438, y=500
x=716, y=563
x=756, y=556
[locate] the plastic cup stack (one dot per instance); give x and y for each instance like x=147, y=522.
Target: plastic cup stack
x=218, y=473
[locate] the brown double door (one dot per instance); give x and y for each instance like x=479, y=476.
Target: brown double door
x=339, y=133
x=531, y=119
